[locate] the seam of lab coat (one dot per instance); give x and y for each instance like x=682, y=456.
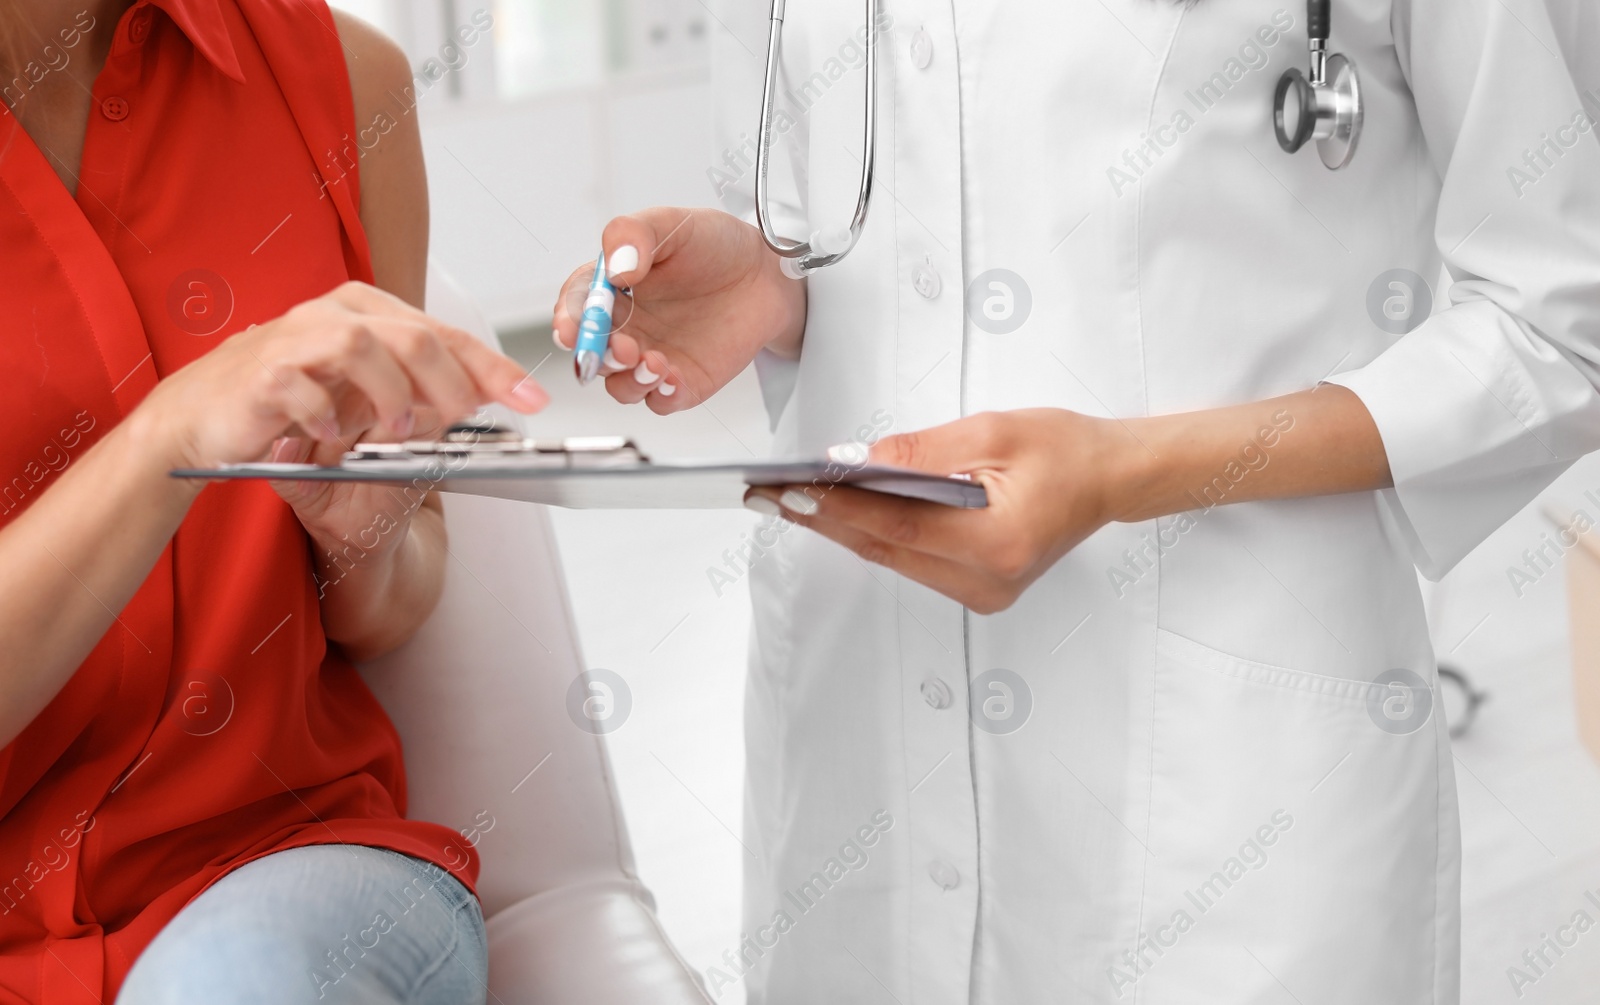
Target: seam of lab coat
x=1144, y=395
x=906, y=949
x=1441, y=910
x=886, y=68
x=977, y=815
x=975, y=955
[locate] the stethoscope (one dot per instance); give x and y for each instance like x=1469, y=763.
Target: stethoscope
x=1328, y=107
x=1328, y=110
x=825, y=247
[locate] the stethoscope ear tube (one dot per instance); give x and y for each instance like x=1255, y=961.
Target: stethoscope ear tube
x=1319, y=19
x=827, y=246
x=1306, y=122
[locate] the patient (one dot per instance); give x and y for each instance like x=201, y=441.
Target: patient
x=199, y=799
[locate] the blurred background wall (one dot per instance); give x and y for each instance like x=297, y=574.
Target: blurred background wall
x=535, y=134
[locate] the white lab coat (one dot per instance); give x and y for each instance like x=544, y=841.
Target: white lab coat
x=1200, y=805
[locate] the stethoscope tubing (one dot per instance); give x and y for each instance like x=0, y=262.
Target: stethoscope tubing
x=823, y=249
x=805, y=254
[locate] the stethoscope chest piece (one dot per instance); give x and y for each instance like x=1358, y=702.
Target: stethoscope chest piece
x=1340, y=110
x=1327, y=107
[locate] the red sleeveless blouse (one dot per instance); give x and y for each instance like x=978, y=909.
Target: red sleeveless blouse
x=212, y=724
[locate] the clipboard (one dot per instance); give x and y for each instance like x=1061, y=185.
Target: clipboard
x=600, y=472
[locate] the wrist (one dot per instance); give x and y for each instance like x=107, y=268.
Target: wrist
x=339, y=551
x=377, y=543
x=1131, y=470
x=156, y=445
x=373, y=601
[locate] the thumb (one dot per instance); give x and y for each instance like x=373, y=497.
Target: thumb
x=635, y=244
x=955, y=448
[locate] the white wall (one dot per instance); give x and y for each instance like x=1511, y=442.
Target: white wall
x=521, y=191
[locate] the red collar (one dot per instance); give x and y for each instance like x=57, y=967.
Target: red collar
x=203, y=23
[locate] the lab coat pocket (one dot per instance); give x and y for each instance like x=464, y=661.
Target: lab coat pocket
x=1294, y=837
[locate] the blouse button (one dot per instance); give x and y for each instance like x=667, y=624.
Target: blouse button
x=936, y=693
x=926, y=281
x=139, y=27
x=115, y=109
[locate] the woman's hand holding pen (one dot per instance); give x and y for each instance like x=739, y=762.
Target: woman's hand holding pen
x=705, y=295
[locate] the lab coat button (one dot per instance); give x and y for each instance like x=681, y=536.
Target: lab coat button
x=921, y=49
x=936, y=693
x=926, y=281
x=115, y=109
x=944, y=874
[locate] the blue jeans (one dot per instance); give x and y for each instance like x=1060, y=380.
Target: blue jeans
x=330, y=923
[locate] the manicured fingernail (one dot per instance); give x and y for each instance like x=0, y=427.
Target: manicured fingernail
x=762, y=505
x=666, y=390
x=404, y=426
x=281, y=451
x=851, y=455
x=796, y=501
x=529, y=394
x=644, y=375
x=612, y=364
x=624, y=259
x=555, y=334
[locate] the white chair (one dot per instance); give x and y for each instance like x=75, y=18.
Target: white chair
x=480, y=700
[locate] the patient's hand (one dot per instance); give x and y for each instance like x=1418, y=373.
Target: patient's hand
x=357, y=364
x=707, y=296
x=332, y=370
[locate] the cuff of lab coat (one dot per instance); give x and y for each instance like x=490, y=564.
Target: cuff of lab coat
x=1472, y=410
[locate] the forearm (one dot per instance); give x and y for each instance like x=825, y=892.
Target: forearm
x=72, y=560
x=1316, y=442
x=378, y=589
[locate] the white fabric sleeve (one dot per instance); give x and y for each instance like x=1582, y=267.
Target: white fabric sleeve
x=1484, y=404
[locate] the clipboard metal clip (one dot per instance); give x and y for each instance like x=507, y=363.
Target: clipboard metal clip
x=489, y=441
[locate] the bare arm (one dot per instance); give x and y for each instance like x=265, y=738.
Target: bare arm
x=394, y=180
x=1313, y=443
x=375, y=603
x=76, y=556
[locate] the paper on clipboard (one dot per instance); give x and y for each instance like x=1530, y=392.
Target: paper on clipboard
x=592, y=473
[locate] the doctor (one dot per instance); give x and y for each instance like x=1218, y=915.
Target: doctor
x=1159, y=724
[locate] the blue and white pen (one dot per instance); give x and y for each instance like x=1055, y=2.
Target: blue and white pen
x=594, y=332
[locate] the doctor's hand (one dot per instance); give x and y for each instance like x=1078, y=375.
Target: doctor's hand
x=1046, y=472
x=1055, y=477
x=704, y=296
